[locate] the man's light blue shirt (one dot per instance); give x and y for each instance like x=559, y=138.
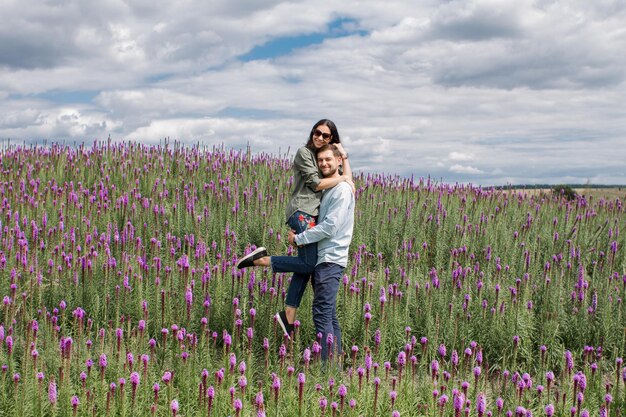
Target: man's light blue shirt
x=333, y=232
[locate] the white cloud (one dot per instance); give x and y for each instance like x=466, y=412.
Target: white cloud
x=486, y=89
x=464, y=169
x=460, y=156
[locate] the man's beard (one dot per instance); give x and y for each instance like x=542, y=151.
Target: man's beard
x=331, y=173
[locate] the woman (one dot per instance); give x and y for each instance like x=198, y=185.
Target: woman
x=301, y=214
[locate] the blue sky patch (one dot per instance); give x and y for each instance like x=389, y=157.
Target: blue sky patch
x=282, y=46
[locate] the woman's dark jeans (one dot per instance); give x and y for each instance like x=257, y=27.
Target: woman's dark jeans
x=302, y=265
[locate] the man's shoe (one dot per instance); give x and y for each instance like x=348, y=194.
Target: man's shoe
x=249, y=259
x=281, y=318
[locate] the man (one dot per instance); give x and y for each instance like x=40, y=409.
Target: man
x=333, y=234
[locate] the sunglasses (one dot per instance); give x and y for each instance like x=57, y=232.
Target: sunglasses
x=324, y=136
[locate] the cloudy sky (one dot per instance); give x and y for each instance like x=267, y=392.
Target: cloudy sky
x=488, y=92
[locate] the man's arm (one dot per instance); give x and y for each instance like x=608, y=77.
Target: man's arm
x=337, y=210
x=310, y=172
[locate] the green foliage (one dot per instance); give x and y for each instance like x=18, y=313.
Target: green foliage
x=565, y=191
x=130, y=233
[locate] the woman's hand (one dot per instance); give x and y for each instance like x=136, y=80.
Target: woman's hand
x=341, y=149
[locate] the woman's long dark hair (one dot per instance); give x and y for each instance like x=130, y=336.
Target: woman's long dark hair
x=334, y=138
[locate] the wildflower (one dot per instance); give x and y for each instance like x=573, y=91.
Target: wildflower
x=442, y=351
x=174, y=407
x=454, y=358
x=75, y=401
x=134, y=379
x=342, y=392
x=457, y=403
x=210, y=393
x=167, y=377
x=9, y=343
x=481, y=404
x=569, y=361
x=465, y=386
x=323, y=403
x=103, y=361
x=499, y=404
x=219, y=376
x=301, y=381
x=232, y=362
x=377, y=337
x=52, y=392
x=237, y=405
x=434, y=368
x=156, y=388
x=393, y=395
x=276, y=386
x=243, y=383
x=582, y=381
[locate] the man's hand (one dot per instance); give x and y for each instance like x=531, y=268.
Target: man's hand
x=292, y=238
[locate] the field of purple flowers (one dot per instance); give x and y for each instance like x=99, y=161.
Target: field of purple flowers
x=120, y=295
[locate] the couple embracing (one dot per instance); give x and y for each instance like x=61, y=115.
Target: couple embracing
x=320, y=214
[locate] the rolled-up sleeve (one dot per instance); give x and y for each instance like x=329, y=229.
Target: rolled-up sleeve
x=305, y=164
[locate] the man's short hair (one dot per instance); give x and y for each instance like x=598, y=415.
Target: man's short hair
x=329, y=147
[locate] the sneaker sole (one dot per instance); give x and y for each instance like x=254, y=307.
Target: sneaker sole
x=251, y=255
x=282, y=326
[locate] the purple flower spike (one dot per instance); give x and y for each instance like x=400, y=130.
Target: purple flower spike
x=442, y=351
x=52, y=392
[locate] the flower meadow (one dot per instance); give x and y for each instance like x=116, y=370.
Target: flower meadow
x=120, y=295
